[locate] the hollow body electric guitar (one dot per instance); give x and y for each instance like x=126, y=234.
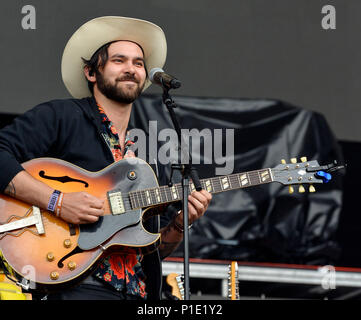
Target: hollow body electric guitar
x=46, y=250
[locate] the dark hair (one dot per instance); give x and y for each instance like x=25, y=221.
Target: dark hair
x=94, y=63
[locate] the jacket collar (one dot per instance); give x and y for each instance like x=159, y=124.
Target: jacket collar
x=90, y=109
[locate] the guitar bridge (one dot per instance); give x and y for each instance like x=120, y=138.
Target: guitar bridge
x=116, y=202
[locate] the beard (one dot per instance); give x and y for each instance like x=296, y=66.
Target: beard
x=116, y=92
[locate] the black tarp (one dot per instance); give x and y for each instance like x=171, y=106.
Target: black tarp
x=260, y=223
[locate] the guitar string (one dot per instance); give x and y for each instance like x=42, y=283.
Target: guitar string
x=130, y=198
x=3, y=234
x=18, y=233
x=166, y=192
x=13, y=216
x=233, y=180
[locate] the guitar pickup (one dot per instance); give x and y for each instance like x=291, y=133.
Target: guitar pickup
x=116, y=202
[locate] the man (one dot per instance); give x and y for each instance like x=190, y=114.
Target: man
x=108, y=58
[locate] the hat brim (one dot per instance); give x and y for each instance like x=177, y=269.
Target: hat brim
x=100, y=31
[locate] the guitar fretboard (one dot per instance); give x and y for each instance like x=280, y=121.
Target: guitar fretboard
x=165, y=194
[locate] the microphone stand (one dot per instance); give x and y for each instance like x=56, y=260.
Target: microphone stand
x=187, y=172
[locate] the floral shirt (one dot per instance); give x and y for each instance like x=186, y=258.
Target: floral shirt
x=123, y=271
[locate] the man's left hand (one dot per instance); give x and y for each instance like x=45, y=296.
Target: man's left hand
x=198, y=202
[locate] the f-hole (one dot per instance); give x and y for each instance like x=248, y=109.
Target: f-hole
x=71, y=253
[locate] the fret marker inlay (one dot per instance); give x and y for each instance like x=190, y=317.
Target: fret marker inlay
x=264, y=176
x=225, y=183
x=157, y=195
x=244, y=179
x=208, y=186
x=174, y=193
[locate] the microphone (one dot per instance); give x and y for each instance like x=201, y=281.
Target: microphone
x=158, y=76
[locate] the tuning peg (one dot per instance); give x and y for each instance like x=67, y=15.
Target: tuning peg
x=304, y=159
x=283, y=161
x=293, y=160
x=301, y=189
x=311, y=188
x=290, y=189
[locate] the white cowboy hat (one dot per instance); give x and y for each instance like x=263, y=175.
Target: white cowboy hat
x=99, y=31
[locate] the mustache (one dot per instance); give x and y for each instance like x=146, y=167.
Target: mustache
x=128, y=77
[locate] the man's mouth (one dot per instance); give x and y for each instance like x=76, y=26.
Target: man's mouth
x=128, y=80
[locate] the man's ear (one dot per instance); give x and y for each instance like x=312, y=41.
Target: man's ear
x=89, y=74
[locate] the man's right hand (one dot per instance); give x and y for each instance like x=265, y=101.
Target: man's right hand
x=77, y=207
x=81, y=207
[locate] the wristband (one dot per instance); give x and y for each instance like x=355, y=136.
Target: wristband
x=178, y=227
x=53, y=200
x=59, y=204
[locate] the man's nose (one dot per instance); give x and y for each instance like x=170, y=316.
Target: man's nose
x=129, y=68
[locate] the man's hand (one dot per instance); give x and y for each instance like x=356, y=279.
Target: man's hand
x=198, y=202
x=81, y=207
x=77, y=207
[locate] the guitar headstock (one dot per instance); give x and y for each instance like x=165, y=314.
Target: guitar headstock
x=233, y=290
x=300, y=173
x=175, y=281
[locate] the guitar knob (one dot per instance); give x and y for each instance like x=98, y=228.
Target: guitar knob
x=311, y=188
x=301, y=189
x=283, y=161
x=54, y=275
x=304, y=159
x=290, y=189
x=50, y=256
x=67, y=243
x=71, y=265
x=293, y=160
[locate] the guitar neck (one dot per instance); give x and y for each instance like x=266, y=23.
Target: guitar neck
x=166, y=194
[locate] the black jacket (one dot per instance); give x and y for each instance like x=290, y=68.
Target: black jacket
x=69, y=130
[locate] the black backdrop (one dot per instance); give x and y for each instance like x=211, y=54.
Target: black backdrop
x=263, y=223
